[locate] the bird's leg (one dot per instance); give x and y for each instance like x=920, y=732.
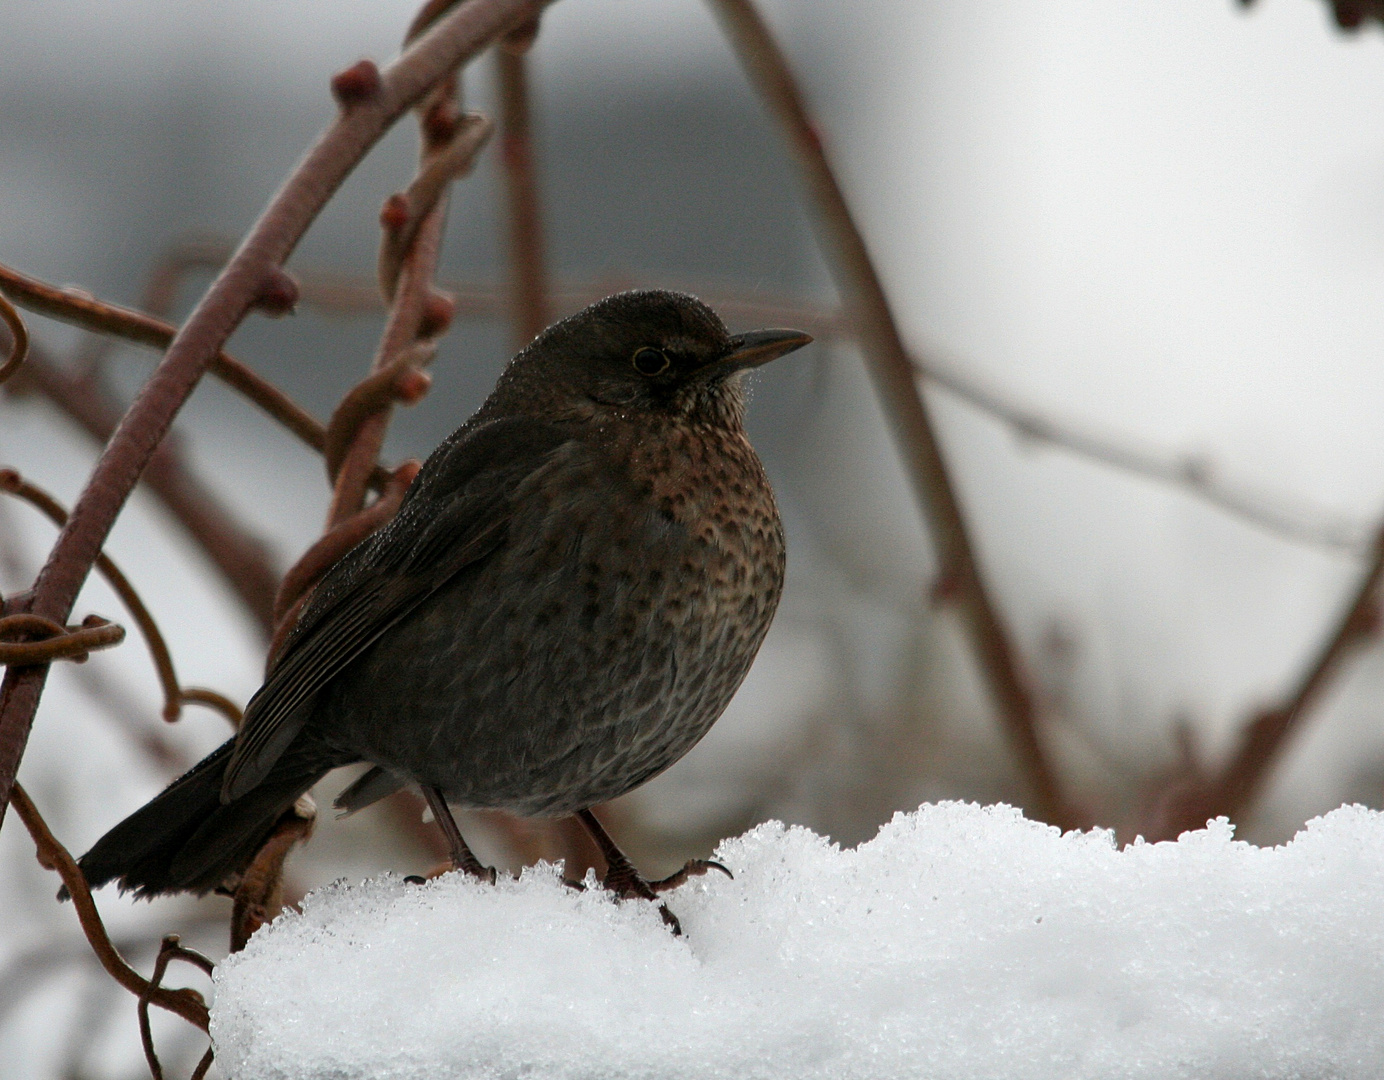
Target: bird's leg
x=624, y=880
x=462, y=857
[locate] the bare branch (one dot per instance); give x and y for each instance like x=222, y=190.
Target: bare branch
x=404, y=213
x=452, y=40
x=259, y=896
x=1192, y=474
x=19, y=339
x=1190, y=801
x=82, y=309
x=412, y=225
x=52, y=855
x=529, y=312
x=55, y=641
x=892, y=371
x=173, y=695
x=401, y=379
x=169, y=950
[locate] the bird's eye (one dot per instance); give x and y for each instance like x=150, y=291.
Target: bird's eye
x=650, y=361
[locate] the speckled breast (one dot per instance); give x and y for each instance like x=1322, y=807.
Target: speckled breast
x=601, y=642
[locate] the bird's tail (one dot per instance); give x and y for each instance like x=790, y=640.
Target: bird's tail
x=186, y=840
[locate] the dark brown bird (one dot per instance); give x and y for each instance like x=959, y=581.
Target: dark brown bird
x=572, y=590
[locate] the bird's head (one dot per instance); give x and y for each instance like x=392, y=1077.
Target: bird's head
x=650, y=351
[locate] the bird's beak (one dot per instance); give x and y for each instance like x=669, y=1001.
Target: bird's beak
x=756, y=348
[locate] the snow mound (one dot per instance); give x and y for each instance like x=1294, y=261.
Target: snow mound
x=963, y=941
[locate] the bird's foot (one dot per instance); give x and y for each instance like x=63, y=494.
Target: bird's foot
x=625, y=881
x=461, y=856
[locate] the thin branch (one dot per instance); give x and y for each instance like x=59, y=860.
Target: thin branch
x=19, y=339
x=401, y=379
x=405, y=212
x=243, y=559
x=186, y=1003
x=529, y=312
x=54, y=641
x=1192, y=474
x=892, y=371
x=453, y=39
x=1190, y=801
x=84, y=310
x=412, y=226
x=169, y=950
x=259, y=896
x=173, y=694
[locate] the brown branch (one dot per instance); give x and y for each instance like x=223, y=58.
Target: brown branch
x=19, y=339
x=243, y=559
x=528, y=276
x=169, y=950
x=451, y=41
x=84, y=310
x=186, y=1003
x=1194, y=475
x=200, y=695
x=259, y=896
x=200, y=1072
x=173, y=695
x=405, y=212
x=1190, y=801
x=339, y=539
x=892, y=372
x=55, y=641
x=402, y=379
x=412, y=225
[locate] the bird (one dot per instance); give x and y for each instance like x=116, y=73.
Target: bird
x=573, y=588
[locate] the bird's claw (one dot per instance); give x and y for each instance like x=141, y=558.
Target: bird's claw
x=693, y=868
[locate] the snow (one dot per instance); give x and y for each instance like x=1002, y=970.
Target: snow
x=962, y=941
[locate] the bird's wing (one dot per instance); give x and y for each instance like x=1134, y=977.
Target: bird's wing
x=455, y=514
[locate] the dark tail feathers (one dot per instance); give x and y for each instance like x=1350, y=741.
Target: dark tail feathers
x=185, y=840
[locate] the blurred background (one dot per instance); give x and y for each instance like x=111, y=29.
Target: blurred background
x=1158, y=224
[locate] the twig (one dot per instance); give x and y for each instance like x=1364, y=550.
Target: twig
x=259, y=896
x=339, y=539
x=242, y=558
x=453, y=40
x=185, y=1002
x=401, y=379
x=1189, y=473
x=404, y=213
x=412, y=225
x=84, y=310
x=169, y=950
x=528, y=277
x=1190, y=801
x=19, y=339
x=892, y=371
x=173, y=694
x=55, y=641
x=214, y=700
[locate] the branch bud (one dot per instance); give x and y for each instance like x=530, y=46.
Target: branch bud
x=438, y=311
x=278, y=295
x=394, y=213
x=358, y=83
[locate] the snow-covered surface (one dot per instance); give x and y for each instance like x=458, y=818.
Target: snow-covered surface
x=963, y=941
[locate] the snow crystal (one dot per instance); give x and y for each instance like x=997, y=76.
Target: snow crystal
x=963, y=941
